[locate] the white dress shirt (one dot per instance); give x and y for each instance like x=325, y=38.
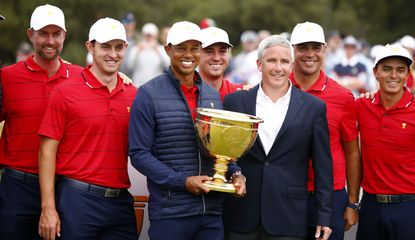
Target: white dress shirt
x=273, y=115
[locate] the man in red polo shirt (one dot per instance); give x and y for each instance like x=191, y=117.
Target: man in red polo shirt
x=387, y=130
x=84, y=140
x=26, y=86
x=309, y=51
x=214, y=59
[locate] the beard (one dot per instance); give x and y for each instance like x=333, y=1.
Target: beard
x=49, y=57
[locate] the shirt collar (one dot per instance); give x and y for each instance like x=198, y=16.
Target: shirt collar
x=63, y=71
x=261, y=96
x=404, y=102
x=92, y=82
x=319, y=86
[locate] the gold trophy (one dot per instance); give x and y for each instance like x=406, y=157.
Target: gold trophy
x=226, y=136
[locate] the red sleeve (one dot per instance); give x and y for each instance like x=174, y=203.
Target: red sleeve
x=348, y=124
x=55, y=118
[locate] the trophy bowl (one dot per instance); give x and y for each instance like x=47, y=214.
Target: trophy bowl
x=225, y=136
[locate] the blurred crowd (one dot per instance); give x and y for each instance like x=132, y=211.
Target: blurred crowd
x=349, y=60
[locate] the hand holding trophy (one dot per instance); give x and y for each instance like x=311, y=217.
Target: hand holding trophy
x=226, y=136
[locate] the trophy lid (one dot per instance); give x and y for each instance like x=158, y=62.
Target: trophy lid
x=229, y=115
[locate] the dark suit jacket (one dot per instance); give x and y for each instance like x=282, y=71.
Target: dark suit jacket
x=277, y=183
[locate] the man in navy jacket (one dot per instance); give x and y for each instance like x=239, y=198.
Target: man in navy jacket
x=163, y=147
x=294, y=130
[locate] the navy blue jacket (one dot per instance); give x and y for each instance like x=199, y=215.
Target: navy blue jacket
x=163, y=147
x=277, y=182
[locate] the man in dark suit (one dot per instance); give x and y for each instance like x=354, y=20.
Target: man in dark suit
x=294, y=130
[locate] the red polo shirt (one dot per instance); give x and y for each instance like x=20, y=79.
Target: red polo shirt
x=26, y=89
x=91, y=125
x=342, y=124
x=191, y=97
x=388, y=146
x=228, y=87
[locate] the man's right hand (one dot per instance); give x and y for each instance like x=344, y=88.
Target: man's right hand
x=49, y=224
x=194, y=184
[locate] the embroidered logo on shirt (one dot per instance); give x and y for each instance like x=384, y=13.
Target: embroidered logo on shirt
x=128, y=109
x=403, y=125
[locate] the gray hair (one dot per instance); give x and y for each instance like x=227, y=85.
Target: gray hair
x=274, y=40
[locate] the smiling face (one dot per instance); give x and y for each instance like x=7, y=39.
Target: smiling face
x=184, y=57
x=391, y=74
x=214, y=60
x=47, y=41
x=308, y=57
x=275, y=66
x=107, y=57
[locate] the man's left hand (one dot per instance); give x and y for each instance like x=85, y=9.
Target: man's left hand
x=239, y=183
x=322, y=232
x=351, y=217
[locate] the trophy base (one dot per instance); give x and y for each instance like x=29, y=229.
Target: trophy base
x=220, y=186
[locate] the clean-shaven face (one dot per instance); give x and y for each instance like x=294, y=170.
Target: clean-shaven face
x=214, y=60
x=391, y=74
x=309, y=57
x=184, y=57
x=275, y=66
x=108, y=56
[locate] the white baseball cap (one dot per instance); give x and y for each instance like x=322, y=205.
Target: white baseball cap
x=45, y=15
x=213, y=35
x=350, y=40
x=150, y=29
x=183, y=31
x=107, y=29
x=307, y=32
x=393, y=50
x=407, y=41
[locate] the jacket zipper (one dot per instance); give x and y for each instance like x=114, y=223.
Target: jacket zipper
x=198, y=152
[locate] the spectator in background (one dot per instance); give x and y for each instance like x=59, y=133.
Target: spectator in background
x=262, y=34
x=244, y=68
x=207, y=22
x=146, y=57
x=334, y=53
x=350, y=72
x=130, y=24
x=214, y=59
x=387, y=129
x=23, y=51
x=408, y=42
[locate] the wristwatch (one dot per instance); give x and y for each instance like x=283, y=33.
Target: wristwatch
x=355, y=206
x=238, y=173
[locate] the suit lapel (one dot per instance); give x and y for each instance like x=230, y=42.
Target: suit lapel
x=250, y=101
x=250, y=108
x=294, y=107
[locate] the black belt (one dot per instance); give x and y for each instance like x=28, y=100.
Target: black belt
x=24, y=176
x=95, y=189
x=384, y=198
